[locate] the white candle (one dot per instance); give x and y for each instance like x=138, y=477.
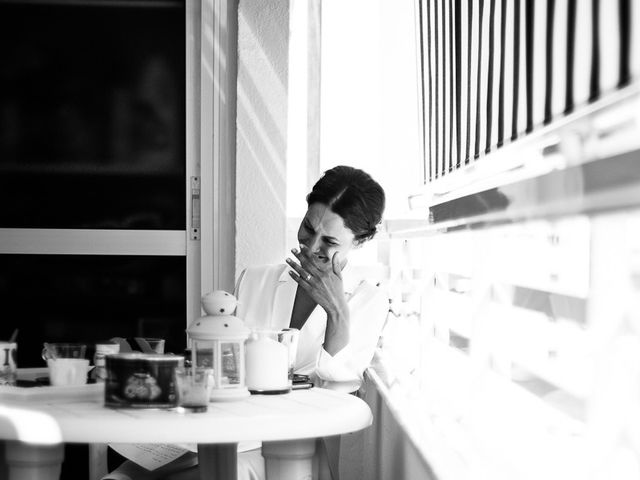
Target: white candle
x=266, y=365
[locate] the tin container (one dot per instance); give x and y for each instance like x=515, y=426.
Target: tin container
x=141, y=380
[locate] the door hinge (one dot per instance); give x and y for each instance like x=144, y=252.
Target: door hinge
x=195, y=208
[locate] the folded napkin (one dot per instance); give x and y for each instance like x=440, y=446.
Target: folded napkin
x=124, y=345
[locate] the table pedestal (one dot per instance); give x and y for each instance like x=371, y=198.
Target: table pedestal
x=218, y=461
x=33, y=462
x=291, y=459
x=98, y=456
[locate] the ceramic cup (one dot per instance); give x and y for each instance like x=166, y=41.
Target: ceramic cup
x=8, y=365
x=68, y=371
x=66, y=363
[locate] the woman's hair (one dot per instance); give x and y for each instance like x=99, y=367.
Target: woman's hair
x=355, y=196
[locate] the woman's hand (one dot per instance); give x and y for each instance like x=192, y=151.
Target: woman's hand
x=323, y=283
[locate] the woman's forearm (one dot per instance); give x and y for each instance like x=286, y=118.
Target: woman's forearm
x=336, y=335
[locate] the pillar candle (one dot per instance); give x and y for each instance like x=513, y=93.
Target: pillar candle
x=266, y=365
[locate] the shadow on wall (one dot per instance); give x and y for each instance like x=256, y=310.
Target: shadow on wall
x=260, y=135
x=268, y=22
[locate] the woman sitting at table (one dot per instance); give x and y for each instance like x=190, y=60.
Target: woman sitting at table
x=339, y=320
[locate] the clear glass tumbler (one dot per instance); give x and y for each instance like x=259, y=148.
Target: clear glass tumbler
x=194, y=385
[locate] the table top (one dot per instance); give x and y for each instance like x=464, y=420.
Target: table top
x=308, y=413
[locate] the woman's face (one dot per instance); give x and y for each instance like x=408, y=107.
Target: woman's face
x=324, y=233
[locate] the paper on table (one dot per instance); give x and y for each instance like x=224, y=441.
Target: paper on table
x=152, y=456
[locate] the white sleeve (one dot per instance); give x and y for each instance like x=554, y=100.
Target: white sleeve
x=368, y=309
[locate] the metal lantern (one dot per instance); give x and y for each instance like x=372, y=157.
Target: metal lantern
x=217, y=341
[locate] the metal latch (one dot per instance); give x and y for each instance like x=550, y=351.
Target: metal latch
x=195, y=208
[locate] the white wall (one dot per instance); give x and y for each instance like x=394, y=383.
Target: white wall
x=369, y=94
x=263, y=35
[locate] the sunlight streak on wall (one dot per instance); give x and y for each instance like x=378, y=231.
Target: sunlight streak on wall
x=263, y=32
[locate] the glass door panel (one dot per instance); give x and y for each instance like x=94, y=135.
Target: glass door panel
x=92, y=115
x=91, y=298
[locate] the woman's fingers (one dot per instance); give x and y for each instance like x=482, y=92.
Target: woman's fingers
x=298, y=269
x=300, y=280
x=306, y=261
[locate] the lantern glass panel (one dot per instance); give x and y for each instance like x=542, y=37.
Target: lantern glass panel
x=230, y=363
x=205, y=353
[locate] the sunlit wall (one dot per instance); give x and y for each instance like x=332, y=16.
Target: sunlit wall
x=263, y=36
x=369, y=93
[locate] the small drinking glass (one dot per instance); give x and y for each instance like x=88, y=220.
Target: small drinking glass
x=63, y=350
x=289, y=338
x=194, y=387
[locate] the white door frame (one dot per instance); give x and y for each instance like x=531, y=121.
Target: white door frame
x=218, y=74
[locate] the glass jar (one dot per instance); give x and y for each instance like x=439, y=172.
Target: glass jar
x=99, y=373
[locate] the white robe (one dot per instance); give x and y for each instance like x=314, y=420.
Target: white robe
x=265, y=300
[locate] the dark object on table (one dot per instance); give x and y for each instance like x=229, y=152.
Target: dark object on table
x=141, y=380
x=301, y=382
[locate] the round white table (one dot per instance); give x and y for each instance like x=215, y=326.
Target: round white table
x=35, y=430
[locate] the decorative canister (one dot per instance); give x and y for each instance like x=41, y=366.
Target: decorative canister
x=141, y=380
